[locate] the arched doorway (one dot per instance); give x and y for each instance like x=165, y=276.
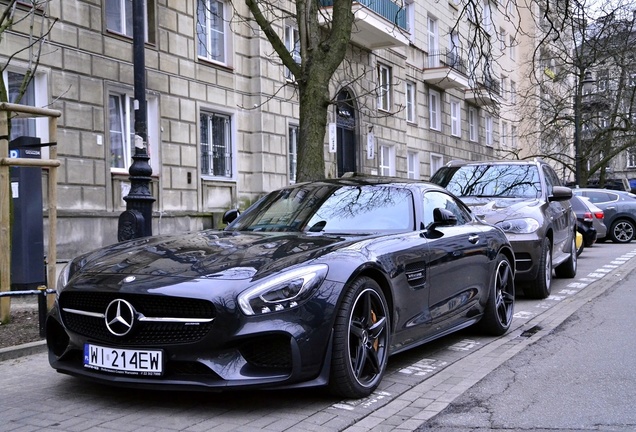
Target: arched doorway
x=346, y=133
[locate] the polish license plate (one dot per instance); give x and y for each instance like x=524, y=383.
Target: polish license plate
x=123, y=361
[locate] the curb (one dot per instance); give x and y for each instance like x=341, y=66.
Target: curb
x=26, y=349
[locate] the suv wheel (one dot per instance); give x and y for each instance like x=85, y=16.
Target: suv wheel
x=540, y=289
x=568, y=268
x=622, y=231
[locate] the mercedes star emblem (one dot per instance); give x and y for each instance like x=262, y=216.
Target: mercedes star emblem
x=120, y=317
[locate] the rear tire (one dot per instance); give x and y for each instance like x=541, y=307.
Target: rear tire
x=501, y=301
x=622, y=231
x=361, y=340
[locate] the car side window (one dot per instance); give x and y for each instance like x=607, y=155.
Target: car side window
x=600, y=197
x=551, y=179
x=435, y=199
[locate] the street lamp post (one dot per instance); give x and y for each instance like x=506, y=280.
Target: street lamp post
x=136, y=221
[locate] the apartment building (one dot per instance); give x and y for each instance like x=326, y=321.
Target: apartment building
x=418, y=89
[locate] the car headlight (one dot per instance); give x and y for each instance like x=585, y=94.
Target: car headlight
x=63, y=278
x=283, y=291
x=519, y=226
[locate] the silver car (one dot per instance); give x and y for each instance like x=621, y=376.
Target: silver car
x=598, y=217
x=619, y=209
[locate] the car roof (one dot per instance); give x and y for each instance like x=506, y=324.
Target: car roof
x=456, y=163
x=358, y=179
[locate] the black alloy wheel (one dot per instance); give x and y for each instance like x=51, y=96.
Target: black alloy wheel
x=540, y=288
x=501, y=301
x=361, y=340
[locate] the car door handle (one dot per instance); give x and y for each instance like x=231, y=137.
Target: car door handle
x=474, y=238
x=610, y=208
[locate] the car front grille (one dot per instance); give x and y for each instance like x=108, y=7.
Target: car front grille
x=269, y=352
x=81, y=311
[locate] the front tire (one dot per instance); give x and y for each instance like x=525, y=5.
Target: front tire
x=540, y=289
x=622, y=231
x=568, y=268
x=361, y=340
x=501, y=301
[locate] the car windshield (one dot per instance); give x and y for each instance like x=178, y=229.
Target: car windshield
x=511, y=181
x=331, y=209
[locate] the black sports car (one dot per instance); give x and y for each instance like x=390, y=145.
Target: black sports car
x=315, y=284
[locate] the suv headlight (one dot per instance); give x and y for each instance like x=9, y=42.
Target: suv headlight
x=282, y=291
x=519, y=226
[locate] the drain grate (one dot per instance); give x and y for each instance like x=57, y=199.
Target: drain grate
x=531, y=331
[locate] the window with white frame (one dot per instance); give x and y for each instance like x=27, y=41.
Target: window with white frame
x=410, y=101
x=436, y=163
x=293, y=152
x=121, y=129
x=433, y=42
x=292, y=43
x=473, y=124
x=631, y=158
x=119, y=17
x=504, y=134
x=488, y=126
x=456, y=117
x=13, y=82
x=502, y=39
x=487, y=18
x=410, y=18
x=387, y=160
x=216, y=145
x=513, y=92
x=512, y=48
x=454, y=56
x=435, y=110
x=513, y=136
x=413, y=165
x=384, y=87
x=504, y=88
x=212, y=31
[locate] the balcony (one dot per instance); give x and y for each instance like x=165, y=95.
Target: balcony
x=484, y=93
x=445, y=70
x=377, y=24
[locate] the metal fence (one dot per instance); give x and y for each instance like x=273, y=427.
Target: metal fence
x=42, y=292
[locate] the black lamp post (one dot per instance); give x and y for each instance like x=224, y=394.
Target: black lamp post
x=136, y=221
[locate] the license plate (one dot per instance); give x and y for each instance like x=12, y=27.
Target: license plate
x=123, y=361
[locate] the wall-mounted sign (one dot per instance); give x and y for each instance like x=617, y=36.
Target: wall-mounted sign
x=370, y=145
x=332, y=138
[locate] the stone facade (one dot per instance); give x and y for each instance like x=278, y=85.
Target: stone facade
x=86, y=66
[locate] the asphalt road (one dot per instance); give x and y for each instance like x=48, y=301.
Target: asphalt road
x=419, y=384
x=581, y=377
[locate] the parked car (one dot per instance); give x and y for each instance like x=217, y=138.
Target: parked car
x=584, y=220
x=527, y=201
x=316, y=283
x=598, y=218
x=619, y=209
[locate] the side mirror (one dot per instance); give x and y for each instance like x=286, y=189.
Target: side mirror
x=230, y=216
x=560, y=193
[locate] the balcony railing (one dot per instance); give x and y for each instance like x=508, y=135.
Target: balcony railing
x=387, y=9
x=449, y=59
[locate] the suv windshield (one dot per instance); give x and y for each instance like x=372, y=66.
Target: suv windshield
x=512, y=181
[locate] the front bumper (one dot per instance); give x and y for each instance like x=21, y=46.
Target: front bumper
x=527, y=251
x=281, y=349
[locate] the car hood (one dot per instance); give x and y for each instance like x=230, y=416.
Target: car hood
x=207, y=254
x=495, y=210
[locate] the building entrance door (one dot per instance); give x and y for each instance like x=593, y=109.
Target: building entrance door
x=345, y=134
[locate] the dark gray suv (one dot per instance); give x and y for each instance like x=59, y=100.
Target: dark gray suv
x=527, y=201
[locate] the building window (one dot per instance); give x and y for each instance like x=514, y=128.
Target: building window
x=436, y=163
x=512, y=48
x=384, y=87
x=292, y=42
x=122, y=130
x=473, y=124
x=504, y=88
x=513, y=136
x=631, y=158
x=413, y=165
x=487, y=21
x=211, y=31
x=433, y=43
x=504, y=134
x=435, y=108
x=502, y=39
x=293, y=152
x=488, y=126
x=410, y=18
x=20, y=126
x=387, y=160
x=410, y=102
x=456, y=118
x=216, y=145
x=119, y=18
x=513, y=92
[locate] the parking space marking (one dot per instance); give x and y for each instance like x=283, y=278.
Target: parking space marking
x=423, y=367
x=373, y=399
x=464, y=345
x=523, y=315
